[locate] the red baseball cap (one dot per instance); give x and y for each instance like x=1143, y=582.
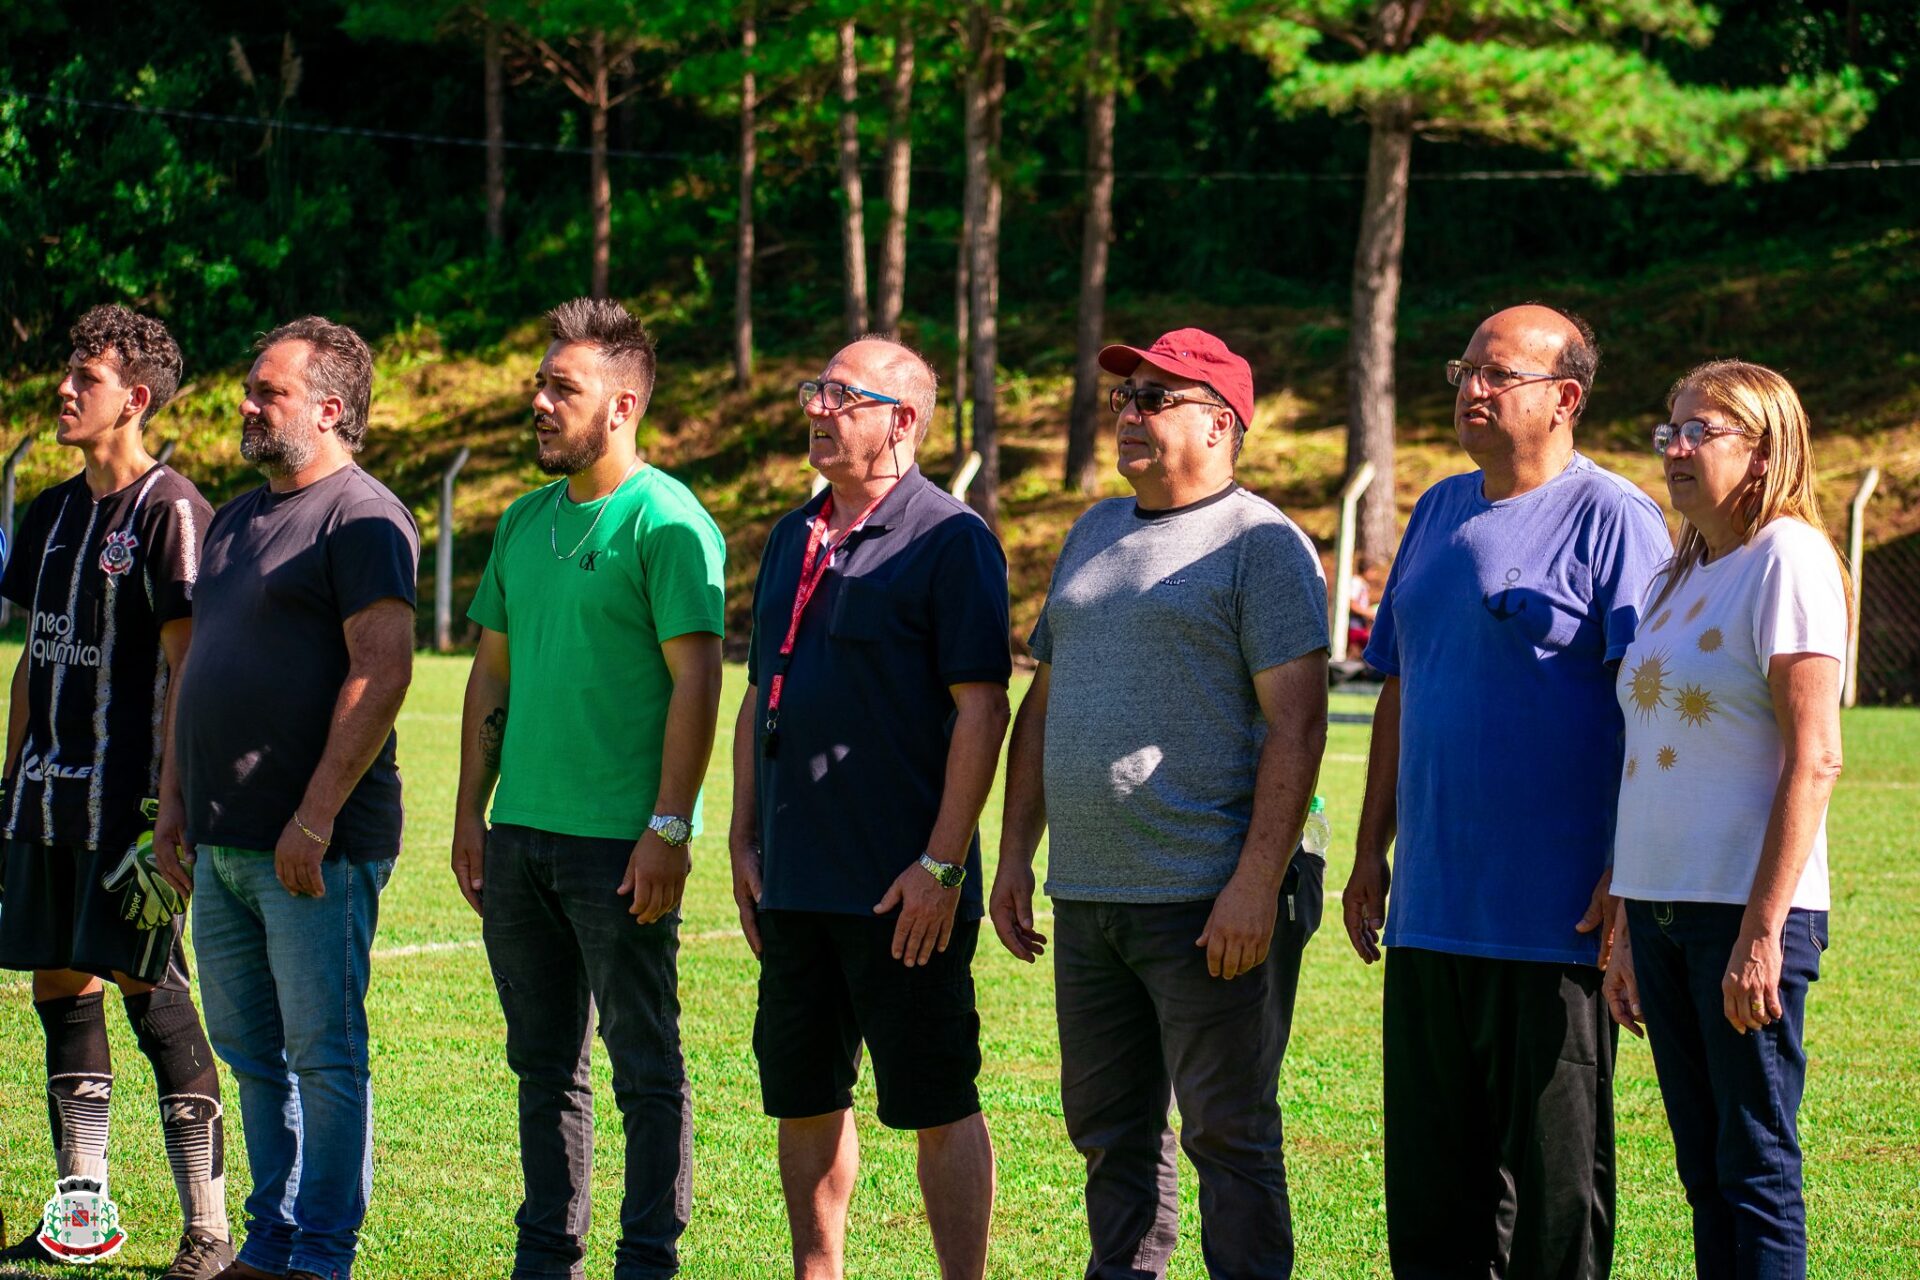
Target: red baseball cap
x=1195, y=354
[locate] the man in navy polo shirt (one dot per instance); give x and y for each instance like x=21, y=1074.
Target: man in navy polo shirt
x=864, y=750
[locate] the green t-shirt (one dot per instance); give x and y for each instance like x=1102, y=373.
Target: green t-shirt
x=590, y=688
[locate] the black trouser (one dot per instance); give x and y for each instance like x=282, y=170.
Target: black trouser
x=1140, y=1020
x=1499, y=1118
x=564, y=949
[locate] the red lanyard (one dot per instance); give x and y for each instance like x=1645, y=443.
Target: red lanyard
x=813, y=570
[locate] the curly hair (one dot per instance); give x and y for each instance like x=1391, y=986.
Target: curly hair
x=338, y=364
x=626, y=349
x=138, y=347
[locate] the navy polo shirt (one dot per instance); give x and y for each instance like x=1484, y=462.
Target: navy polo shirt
x=914, y=602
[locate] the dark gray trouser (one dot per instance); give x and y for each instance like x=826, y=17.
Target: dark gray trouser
x=562, y=948
x=1142, y=1021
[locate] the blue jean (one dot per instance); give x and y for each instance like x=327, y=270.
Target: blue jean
x=1732, y=1100
x=565, y=953
x=284, y=983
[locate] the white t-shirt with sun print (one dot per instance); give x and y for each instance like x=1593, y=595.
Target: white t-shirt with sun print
x=1703, y=750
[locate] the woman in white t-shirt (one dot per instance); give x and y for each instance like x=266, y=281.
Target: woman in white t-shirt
x=1731, y=691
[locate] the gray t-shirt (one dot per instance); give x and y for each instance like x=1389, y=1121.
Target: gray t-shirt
x=1154, y=627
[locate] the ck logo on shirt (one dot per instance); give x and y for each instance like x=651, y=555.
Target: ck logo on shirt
x=590, y=561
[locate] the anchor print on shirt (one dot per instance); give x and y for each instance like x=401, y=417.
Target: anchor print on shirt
x=1498, y=605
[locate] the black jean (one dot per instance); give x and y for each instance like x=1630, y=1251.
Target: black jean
x=1499, y=1118
x=563, y=948
x=1143, y=1022
x=1733, y=1100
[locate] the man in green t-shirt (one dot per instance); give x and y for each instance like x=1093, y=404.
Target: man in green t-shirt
x=592, y=704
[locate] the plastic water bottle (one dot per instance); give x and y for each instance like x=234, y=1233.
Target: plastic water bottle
x=1317, y=835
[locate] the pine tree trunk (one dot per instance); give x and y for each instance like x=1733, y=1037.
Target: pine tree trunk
x=496, y=93
x=893, y=249
x=743, y=252
x=1096, y=231
x=1376, y=305
x=597, y=142
x=986, y=87
x=853, y=235
x=962, y=325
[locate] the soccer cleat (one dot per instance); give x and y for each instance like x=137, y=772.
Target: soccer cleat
x=199, y=1258
x=28, y=1249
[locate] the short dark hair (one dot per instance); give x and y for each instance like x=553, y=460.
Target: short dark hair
x=139, y=347
x=338, y=364
x=1579, y=358
x=624, y=344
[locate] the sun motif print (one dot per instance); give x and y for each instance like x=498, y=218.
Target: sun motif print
x=1648, y=682
x=1694, y=612
x=1661, y=621
x=1695, y=704
x=1633, y=766
x=1711, y=640
x=1666, y=758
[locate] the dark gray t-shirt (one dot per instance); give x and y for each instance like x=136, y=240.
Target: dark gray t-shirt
x=1155, y=626
x=280, y=574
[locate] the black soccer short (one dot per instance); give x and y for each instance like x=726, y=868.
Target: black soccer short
x=829, y=982
x=55, y=915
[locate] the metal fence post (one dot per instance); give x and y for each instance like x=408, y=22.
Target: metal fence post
x=443, y=557
x=1856, y=561
x=6, y=508
x=1343, y=557
x=166, y=452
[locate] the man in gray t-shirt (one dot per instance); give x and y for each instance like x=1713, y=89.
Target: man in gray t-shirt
x=1171, y=739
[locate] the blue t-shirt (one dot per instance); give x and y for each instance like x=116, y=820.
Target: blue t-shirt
x=1502, y=621
x=914, y=601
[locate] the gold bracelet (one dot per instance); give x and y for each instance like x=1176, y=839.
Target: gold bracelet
x=309, y=832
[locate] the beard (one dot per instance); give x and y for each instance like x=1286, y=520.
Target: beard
x=572, y=454
x=276, y=452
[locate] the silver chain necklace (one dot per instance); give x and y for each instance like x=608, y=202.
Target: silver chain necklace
x=553, y=525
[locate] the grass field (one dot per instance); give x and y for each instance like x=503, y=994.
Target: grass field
x=447, y=1172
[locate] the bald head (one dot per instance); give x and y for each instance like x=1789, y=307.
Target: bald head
x=1558, y=342
x=891, y=368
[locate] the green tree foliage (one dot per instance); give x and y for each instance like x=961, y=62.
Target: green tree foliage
x=1548, y=75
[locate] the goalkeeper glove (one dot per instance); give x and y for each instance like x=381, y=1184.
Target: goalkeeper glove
x=151, y=901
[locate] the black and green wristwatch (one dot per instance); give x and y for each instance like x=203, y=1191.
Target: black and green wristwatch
x=949, y=874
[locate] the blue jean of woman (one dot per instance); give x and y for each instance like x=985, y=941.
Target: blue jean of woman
x=1733, y=1100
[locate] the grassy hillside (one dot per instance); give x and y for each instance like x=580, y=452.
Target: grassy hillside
x=1839, y=315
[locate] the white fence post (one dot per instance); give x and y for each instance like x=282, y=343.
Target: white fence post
x=443, y=557
x=1856, y=561
x=963, y=478
x=6, y=508
x=1343, y=557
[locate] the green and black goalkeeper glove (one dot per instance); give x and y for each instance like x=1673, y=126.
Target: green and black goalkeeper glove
x=151, y=901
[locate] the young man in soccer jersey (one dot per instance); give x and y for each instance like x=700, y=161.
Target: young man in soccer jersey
x=105, y=566
x=592, y=703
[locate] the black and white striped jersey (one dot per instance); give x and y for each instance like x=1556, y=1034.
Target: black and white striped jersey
x=98, y=580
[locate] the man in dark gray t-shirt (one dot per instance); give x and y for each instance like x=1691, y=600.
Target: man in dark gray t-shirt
x=286, y=813
x=1171, y=740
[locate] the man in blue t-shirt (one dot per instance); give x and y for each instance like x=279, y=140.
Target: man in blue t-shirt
x=1496, y=754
